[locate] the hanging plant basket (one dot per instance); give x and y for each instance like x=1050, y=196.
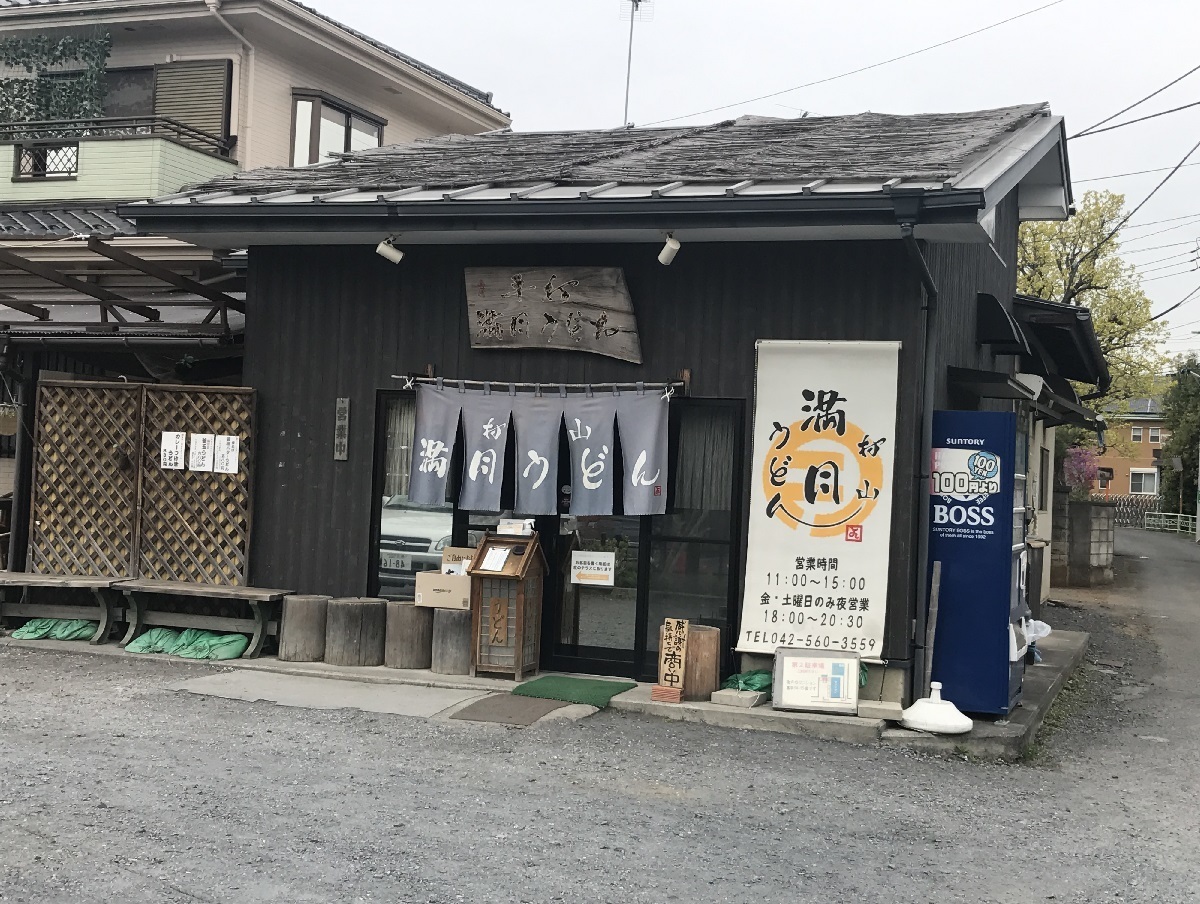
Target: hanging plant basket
x=10, y=418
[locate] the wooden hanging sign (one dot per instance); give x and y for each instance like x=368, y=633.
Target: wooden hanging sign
x=585, y=309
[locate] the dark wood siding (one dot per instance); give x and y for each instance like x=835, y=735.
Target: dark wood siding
x=339, y=320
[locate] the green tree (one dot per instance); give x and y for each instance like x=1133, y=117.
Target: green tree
x=1078, y=261
x=1181, y=411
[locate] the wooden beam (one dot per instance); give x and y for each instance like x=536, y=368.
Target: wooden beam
x=165, y=274
x=24, y=307
x=107, y=298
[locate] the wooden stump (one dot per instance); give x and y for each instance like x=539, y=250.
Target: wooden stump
x=451, y=641
x=409, y=643
x=302, y=631
x=354, y=631
x=702, y=674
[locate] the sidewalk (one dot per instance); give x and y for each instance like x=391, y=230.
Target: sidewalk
x=1062, y=652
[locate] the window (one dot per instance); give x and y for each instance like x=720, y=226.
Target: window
x=1135, y=433
x=323, y=125
x=1103, y=478
x=129, y=92
x=1156, y=434
x=1143, y=482
x=47, y=161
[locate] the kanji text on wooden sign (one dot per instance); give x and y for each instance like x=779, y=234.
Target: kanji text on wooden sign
x=672, y=658
x=587, y=309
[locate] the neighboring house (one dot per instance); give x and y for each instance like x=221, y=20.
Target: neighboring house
x=106, y=102
x=774, y=230
x=1131, y=464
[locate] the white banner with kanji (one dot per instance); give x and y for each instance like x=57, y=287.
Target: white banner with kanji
x=821, y=486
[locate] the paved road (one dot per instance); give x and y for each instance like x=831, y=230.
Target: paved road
x=116, y=789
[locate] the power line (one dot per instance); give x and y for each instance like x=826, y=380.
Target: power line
x=1183, y=272
x=1161, y=259
x=1156, y=247
x=1123, y=175
x=1121, y=125
x=1138, y=238
x=1125, y=219
x=1186, y=216
x=1169, y=266
x=1136, y=103
x=1176, y=305
x=831, y=78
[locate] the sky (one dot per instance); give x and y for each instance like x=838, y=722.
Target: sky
x=561, y=64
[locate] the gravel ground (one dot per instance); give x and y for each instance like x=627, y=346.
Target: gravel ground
x=117, y=789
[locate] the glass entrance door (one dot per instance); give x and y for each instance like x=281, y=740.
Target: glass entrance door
x=592, y=622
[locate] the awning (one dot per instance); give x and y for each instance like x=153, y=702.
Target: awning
x=1062, y=341
x=996, y=327
x=989, y=384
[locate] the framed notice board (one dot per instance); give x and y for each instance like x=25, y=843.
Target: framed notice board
x=820, y=681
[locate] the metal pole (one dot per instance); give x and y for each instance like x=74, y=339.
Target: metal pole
x=633, y=5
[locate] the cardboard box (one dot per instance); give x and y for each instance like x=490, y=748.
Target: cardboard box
x=452, y=554
x=443, y=591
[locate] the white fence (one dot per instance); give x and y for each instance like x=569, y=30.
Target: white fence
x=1171, y=522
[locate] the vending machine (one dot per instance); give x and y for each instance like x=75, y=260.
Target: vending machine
x=977, y=532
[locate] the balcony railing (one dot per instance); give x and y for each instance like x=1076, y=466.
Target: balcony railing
x=50, y=132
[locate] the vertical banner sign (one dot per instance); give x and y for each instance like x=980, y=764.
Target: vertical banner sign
x=485, y=429
x=642, y=419
x=341, y=429
x=433, y=445
x=672, y=658
x=821, y=485
x=590, y=428
x=537, y=420
x=973, y=534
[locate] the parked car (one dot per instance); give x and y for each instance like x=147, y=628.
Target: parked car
x=411, y=539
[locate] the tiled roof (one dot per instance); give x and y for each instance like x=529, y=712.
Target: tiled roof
x=483, y=97
x=62, y=221
x=930, y=151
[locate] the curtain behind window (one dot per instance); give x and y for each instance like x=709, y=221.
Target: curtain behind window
x=704, y=471
x=401, y=423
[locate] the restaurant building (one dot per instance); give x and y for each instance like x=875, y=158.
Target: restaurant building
x=868, y=260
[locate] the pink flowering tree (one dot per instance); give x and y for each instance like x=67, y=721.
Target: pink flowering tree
x=1081, y=467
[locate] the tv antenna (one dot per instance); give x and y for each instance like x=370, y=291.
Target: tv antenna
x=639, y=11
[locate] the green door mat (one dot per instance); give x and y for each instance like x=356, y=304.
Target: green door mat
x=590, y=691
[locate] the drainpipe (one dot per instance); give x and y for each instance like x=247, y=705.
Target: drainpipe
x=908, y=209
x=246, y=110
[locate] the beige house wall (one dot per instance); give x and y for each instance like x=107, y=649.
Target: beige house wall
x=1125, y=455
x=126, y=169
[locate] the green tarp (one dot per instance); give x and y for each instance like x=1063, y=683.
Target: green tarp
x=190, y=644
x=57, y=629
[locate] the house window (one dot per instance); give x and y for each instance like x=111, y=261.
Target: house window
x=323, y=125
x=1143, y=482
x=1155, y=434
x=1135, y=433
x=47, y=161
x=1103, y=478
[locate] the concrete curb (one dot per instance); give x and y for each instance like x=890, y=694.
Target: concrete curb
x=1062, y=653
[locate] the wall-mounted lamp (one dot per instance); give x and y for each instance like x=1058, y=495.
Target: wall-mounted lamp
x=388, y=250
x=669, y=250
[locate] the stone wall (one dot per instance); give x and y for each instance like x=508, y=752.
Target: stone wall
x=1092, y=528
x=1060, y=533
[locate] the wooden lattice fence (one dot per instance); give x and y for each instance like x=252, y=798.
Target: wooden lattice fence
x=104, y=506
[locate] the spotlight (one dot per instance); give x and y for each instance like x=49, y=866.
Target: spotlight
x=669, y=250
x=387, y=250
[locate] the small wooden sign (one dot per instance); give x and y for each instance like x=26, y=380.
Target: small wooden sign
x=586, y=309
x=672, y=655
x=341, y=429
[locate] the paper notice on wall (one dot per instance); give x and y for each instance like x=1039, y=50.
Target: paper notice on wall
x=494, y=559
x=820, y=497
x=200, y=452
x=171, y=453
x=225, y=455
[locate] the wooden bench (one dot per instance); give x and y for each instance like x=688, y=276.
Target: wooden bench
x=264, y=606
x=106, y=611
